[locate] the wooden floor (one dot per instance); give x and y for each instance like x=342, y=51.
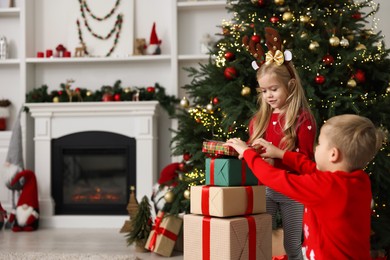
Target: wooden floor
x=99, y=241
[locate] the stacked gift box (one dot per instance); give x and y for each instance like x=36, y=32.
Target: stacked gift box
x=228, y=219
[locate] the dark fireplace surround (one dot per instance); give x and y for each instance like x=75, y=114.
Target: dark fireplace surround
x=92, y=173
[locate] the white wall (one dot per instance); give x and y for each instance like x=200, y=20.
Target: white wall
x=384, y=19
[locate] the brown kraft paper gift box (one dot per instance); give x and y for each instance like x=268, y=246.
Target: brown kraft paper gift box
x=228, y=238
x=162, y=238
x=217, y=201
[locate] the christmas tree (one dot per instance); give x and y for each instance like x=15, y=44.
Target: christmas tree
x=344, y=67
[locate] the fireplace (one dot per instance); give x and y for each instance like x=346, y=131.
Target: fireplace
x=57, y=121
x=92, y=172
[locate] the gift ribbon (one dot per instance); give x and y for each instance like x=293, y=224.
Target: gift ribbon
x=160, y=231
x=206, y=237
x=205, y=200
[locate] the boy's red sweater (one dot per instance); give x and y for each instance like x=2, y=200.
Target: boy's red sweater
x=338, y=222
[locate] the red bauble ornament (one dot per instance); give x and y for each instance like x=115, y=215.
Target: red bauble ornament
x=186, y=156
x=229, y=56
x=357, y=16
x=117, y=97
x=77, y=90
x=320, y=79
x=215, y=100
x=60, y=92
x=107, y=97
x=255, y=38
x=261, y=2
x=274, y=19
x=360, y=76
x=328, y=60
x=182, y=167
x=150, y=89
x=230, y=73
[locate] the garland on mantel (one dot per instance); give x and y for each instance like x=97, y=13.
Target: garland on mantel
x=105, y=94
x=83, y=4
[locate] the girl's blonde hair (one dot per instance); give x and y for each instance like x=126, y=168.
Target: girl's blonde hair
x=296, y=103
x=356, y=137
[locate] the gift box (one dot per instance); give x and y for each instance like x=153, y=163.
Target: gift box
x=278, y=251
x=228, y=172
x=217, y=201
x=164, y=234
x=235, y=238
x=216, y=148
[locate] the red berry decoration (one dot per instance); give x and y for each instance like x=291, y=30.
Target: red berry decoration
x=186, y=156
x=360, y=76
x=215, y=100
x=274, y=19
x=117, y=97
x=320, y=79
x=229, y=56
x=150, y=89
x=230, y=73
x=328, y=60
x=107, y=97
x=255, y=38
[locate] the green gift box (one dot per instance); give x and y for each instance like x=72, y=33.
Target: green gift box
x=229, y=172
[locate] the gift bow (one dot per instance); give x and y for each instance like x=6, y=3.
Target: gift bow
x=278, y=58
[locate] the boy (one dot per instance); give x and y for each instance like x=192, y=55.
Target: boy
x=335, y=190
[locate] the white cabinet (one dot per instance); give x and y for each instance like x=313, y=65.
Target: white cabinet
x=38, y=25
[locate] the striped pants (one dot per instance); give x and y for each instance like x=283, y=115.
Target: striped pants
x=291, y=213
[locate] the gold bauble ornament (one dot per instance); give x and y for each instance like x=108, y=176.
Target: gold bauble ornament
x=184, y=102
x=88, y=93
x=360, y=47
x=344, y=42
x=246, y=91
x=287, y=16
x=279, y=2
x=56, y=99
x=334, y=41
x=351, y=83
x=314, y=46
x=187, y=194
x=304, y=19
x=169, y=196
x=210, y=107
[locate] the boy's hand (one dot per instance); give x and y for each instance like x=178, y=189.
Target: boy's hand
x=238, y=145
x=270, y=150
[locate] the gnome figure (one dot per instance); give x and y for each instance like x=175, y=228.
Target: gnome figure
x=26, y=215
x=154, y=43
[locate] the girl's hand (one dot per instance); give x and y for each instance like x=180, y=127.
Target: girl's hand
x=238, y=145
x=270, y=150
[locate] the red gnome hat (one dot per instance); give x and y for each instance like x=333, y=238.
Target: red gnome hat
x=169, y=174
x=153, y=36
x=29, y=193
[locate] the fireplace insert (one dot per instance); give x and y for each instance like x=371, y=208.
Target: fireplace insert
x=92, y=173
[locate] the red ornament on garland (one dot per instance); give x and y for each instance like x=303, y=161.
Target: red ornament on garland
x=357, y=16
x=320, y=79
x=229, y=56
x=328, y=60
x=107, y=97
x=230, y=73
x=117, y=97
x=215, y=100
x=150, y=89
x=186, y=156
x=274, y=19
x=360, y=76
x=255, y=38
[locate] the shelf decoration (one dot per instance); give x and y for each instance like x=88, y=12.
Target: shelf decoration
x=115, y=93
x=154, y=43
x=4, y=113
x=3, y=48
x=116, y=28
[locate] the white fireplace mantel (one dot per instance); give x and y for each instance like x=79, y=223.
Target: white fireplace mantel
x=53, y=120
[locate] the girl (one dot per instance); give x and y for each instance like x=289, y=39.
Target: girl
x=284, y=119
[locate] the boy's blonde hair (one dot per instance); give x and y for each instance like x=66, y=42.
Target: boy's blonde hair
x=296, y=102
x=356, y=137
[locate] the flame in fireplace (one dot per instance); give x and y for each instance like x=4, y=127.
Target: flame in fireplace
x=96, y=195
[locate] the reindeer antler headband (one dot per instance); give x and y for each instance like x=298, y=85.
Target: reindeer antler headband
x=274, y=54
